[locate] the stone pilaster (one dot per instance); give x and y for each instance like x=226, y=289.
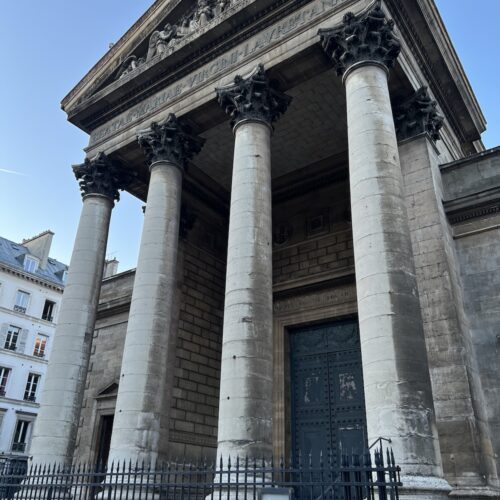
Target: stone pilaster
x=398, y=393
x=246, y=404
x=139, y=406
x=57, y=422
x=464, y=436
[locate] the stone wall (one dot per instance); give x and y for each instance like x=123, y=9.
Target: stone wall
x=457, y=392
x=480, y=264
x=472, y=200
x=105, y=361
x=312, y=236
x=195, y=402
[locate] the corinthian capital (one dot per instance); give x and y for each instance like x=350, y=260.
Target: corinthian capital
x=170, y=141
x=363, y=38
x=100, y=175
x=416, y=115
x=253, y=98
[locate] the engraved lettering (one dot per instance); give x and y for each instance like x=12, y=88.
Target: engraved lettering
x=216, y=67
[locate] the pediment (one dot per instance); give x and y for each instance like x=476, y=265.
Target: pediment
x=109, y=390
x=167, y=36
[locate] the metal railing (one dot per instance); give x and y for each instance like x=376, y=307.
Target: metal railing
x=358, y=477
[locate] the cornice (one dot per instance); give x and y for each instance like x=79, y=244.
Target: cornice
x=31, y=359
x=130, y=90
x=470, y=159
x=30, y=277
x=13, y=401
x=158, y=9
x=407, y=25
x=477, y=205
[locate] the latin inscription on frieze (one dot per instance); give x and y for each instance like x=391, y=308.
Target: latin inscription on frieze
x=259, y=43
x=316, y=300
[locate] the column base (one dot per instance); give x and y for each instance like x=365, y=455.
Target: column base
x=475, y=493
x=424, y=487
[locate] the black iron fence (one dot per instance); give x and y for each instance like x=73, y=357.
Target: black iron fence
x=367, y=476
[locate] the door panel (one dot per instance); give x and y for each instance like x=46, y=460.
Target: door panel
x=328, y=407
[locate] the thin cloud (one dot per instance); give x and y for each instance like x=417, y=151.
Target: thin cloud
x=13, y=172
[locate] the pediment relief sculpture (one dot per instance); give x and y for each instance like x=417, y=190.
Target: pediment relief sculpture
x=165, y=41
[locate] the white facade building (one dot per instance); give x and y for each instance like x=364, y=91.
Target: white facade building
x=31, y=287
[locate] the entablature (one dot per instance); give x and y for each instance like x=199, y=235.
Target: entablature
x=203, y=41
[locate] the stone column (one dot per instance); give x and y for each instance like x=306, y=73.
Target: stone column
x=139, y=405
x=398, y=393
x=57, y=422
x=245, y=411
x=461, y=412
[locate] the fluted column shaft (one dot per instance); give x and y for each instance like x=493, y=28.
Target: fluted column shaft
x=141, y=393
x=246, y=387
x=57, y=422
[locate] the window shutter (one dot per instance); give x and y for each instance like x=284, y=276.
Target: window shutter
x=3, y=334
x=21, y=343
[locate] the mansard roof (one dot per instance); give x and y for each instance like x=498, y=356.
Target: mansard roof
x=13, y=254
x=131, y=71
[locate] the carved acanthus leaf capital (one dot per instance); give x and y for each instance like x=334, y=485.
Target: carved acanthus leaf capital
x=253, y=98
x=417, y=115
x=100, y=175
x=366, y=37
x=170, y=141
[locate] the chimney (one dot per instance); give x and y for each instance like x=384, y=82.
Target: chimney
x=110, y=268
x=39, y=246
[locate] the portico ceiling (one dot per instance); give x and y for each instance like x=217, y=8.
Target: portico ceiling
x=313, y=129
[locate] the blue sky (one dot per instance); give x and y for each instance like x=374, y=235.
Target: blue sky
x=48, y=46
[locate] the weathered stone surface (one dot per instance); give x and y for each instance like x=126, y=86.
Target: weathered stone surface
x=246, y=404
x=171, y=141
x=253, y=98
x=457, y=391
x=417, y=115
x=397, y=385
x=366, y=37
x=100, y=175
x=57, y=423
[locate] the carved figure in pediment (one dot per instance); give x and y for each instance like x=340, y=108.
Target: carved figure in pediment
x=130, y=63
x=183, y=28
x=221, y=6
x=202, y=15
x=153, y=39
x=168, y=34
x=160, y=41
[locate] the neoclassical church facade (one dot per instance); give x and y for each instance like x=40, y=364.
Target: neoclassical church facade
x=319, y=262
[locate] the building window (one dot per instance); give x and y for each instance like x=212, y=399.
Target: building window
x=4, y=377
x=64, y=276
x=22, y=299
x=12, y=338
x=30, y=264
x=20, y=436
x=31, y=385
x=48, y=310
x=40, y=345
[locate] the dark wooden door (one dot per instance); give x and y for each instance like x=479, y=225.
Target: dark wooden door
x=328, y=405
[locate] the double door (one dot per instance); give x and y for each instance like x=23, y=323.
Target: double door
x=328, y=405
